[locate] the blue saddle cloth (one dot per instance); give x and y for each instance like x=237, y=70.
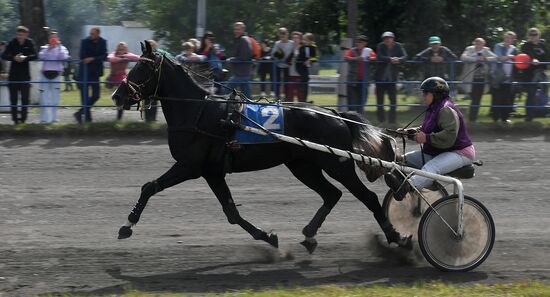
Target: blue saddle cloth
x=269, y=116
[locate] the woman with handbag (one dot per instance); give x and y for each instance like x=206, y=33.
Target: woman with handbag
x=54, y=55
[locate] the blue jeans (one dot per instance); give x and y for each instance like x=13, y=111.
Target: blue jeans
x=440, y=164
x=358, y=94
x=241, y=82
x=91, y=99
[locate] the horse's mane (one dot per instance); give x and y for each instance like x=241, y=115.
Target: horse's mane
x=369, y=140
x=199, y=73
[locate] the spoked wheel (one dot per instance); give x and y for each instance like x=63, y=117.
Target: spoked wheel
x=442, y=248
x=405, y=215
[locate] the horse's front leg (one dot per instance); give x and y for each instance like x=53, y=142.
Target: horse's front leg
x=221, y=190
x=175, y=175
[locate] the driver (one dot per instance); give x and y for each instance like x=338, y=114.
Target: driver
x=443, y=134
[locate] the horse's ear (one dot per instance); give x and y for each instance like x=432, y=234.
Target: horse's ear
x=142, y=47
x=148, y=48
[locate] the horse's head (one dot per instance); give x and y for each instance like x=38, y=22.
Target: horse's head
x=142, y=81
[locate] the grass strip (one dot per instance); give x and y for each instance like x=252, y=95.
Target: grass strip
x=424, y=289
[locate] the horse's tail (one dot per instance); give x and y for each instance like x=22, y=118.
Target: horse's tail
x=369, y=141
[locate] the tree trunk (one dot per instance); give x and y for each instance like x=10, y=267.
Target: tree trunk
x=32, y=17
x=352, y=18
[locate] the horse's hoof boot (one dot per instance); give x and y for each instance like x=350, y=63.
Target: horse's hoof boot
x=124, y=232
x=310, y=246
x=273, y=239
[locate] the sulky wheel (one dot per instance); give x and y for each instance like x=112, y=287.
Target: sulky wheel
x=405, y=215
x=442, y=248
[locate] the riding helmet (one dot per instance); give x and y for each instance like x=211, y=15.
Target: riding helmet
x=435, y=85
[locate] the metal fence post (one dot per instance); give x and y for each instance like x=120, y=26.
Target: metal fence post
x=84, y=91
x=274, y=86
x=364, y=85
x=452, y=78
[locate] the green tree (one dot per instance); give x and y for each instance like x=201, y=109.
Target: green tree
x=68, y=17
x=458, y=22
x=174, y=21
x=9, y=19
x=326, y=19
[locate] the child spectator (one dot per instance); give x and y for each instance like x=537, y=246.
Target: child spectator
x=188, y=54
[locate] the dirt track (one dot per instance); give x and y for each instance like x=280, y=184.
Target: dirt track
x=63, y=200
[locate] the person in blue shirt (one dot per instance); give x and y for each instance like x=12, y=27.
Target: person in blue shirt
x=93, y=52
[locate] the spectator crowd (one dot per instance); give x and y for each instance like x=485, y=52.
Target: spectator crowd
x=283, y=68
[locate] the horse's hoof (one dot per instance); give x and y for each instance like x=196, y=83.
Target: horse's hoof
x=392, y=236
x=273, y=239
x=406, y=242
x=124, y=232
x=309, y=245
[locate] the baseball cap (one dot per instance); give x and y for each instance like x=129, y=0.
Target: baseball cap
x=361, y=38
x=434, y=40
x=388, y=34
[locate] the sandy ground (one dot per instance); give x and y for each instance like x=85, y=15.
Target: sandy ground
x=63, y=200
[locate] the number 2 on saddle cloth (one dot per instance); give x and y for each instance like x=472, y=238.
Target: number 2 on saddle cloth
x=270, y=117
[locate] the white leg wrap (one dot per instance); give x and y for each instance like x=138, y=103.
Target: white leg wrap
x=311, y=239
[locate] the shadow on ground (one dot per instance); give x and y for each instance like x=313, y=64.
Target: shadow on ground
x=266, y=273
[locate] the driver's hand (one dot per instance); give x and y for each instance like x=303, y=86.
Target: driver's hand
x=420, y=137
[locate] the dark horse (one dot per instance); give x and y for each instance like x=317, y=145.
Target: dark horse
x=198, y=141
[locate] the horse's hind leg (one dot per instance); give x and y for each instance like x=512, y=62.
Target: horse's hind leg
x=175, y=175
x=345, y=174
x=221, y=190
x=312, y=176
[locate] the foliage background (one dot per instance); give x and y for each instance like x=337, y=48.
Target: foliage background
x=458, y=22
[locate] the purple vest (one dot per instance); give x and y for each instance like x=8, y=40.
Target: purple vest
x=430, y=126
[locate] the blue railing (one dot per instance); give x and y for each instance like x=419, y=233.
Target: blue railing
x=412, y=69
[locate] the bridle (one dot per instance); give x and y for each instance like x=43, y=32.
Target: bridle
x=135, y=89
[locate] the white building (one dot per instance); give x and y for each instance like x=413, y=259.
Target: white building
x=131, y=32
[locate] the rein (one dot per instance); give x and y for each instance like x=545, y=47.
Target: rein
x=137, y=96
x=288, y=105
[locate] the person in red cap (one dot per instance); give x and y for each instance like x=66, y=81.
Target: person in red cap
x=357, y=85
